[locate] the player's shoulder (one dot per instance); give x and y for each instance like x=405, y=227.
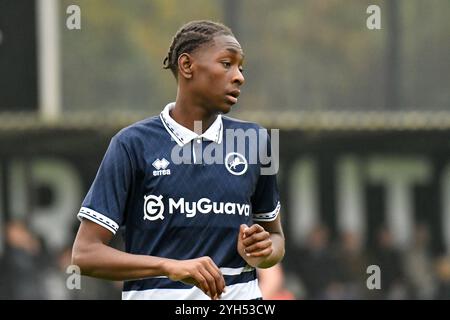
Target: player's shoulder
x=145, y=128
x=247, y=129
x=233, y=123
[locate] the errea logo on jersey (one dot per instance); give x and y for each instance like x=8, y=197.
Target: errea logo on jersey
x=154, y=207
x=161, y=167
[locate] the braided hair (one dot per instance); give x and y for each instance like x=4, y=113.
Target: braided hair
x=191, y=36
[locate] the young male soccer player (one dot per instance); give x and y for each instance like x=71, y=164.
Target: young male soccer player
x=190, y=226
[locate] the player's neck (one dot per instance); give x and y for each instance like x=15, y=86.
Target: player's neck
x=186, y=112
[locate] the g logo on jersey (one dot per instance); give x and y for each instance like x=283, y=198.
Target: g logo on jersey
x=153, y=208
x=236, y=164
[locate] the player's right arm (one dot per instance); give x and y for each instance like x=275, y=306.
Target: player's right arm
x=93, y=255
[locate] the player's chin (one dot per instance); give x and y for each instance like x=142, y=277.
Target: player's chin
x=226, y=106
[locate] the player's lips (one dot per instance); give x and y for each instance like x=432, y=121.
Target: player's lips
x=233, y=95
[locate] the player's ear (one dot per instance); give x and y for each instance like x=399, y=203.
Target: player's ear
x=185, y=65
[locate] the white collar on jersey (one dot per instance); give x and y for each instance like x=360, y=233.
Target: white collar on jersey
x=183, y=135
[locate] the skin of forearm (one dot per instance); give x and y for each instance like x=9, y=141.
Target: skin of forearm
x=101, y=261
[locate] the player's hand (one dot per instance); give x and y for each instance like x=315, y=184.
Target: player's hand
x=254, y=244
x=200, y=272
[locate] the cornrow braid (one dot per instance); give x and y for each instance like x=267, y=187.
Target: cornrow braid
x=191, y=36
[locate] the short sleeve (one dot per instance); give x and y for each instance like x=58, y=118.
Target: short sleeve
x=266, y=198
x=106, y=199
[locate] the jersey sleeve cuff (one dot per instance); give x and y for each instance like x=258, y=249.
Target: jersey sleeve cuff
x=267, y=216
x=98, y=218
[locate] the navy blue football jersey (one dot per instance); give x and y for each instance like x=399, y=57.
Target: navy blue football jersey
x=181, y=195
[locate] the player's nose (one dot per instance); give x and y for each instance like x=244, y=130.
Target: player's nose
x=238, y=77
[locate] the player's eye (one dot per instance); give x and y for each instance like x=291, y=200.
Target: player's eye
x=241, y=70
x=226, y=64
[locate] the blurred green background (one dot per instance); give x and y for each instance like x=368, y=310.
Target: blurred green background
x=301, y=55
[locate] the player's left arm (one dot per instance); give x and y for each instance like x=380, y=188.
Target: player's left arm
x=262, y=244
